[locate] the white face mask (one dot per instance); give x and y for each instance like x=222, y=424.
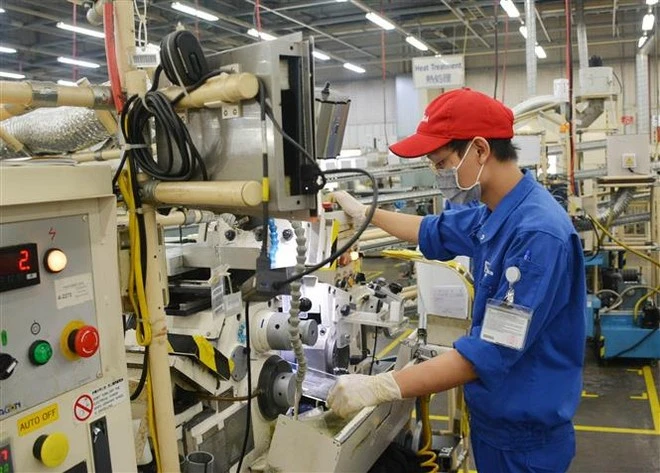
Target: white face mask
x=447, y=181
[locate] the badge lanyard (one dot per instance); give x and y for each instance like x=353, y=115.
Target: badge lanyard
x=506, y=323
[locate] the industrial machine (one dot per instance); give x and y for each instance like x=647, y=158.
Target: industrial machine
x=64, y=388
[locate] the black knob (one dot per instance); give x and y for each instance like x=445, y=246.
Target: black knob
x=287, y=234
x=395, y=287
x=360, y=278
x=230, y=235
x=345, y=310
x=305, y=304
x=7, y=365
x=258, y=234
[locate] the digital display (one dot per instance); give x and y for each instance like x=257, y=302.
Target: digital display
x=6, y=461
x=19, y=267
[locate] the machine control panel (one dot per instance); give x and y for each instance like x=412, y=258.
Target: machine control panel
x=49, y=321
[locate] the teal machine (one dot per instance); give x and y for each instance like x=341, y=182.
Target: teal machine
x=610, y=320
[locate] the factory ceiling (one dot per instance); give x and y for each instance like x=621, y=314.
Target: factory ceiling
x=340, y=29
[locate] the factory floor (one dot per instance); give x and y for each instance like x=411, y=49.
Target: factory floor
x=618, y=420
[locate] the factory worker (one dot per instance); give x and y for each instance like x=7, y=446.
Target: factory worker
x=521, y=363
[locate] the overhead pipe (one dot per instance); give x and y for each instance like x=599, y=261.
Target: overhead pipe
x=234, y=194
x=530, y=47
x=583, y=49
x=50, y=94
x=56, y=130
x=225, y=88
x=642, y=89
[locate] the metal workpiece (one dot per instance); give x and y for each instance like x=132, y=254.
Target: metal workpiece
x=222, y=89
x=232, y=194
x=50, y=94
x=393, y=197
x=378, y=172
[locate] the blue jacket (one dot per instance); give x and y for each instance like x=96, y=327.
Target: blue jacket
x=522, y=398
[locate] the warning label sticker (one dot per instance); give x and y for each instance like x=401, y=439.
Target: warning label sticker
x=83, y=408
x=37, y=420
x=74, y=290
x=110, y=395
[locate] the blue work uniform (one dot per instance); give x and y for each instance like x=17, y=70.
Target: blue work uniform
x=523, y=401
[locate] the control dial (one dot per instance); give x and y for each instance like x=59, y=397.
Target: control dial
x=7, y=365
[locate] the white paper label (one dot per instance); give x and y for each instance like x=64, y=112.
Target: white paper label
x=73, y=290
x=449, y=301
x=505, y=327
x=110, y=395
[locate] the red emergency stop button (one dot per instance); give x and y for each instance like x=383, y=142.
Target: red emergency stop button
x=84, y=341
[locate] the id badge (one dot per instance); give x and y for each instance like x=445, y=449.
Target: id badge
x=506, y=324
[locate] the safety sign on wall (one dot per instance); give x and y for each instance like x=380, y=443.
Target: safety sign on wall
x=100, y=400
x=438, y=72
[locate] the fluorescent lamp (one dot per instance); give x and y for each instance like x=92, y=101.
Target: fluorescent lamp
x=81, y=30
x=354, y=68
x=350, y=153
x=416, y=43
x=341, y=1
x=510, y=8
x=11, y=75
x=204, y=15
x=380, y=21
x=320, y=56
x=67, y=82
x=262, y=35
x=2, y=10
x=648, y=21
x=651, y=2
x=4, y=49
x=77, y=62
x=540, y=52
x=523, y=31
x=642, y=41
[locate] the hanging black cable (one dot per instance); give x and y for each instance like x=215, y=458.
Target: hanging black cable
x=248, y=420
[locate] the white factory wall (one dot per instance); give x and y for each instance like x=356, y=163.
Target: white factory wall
x=368, y=123
x=372, y=116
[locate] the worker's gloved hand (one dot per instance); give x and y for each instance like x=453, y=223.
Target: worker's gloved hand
x=353, y=392
x=351, y=206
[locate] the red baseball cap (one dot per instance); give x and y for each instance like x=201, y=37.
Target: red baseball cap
x=459, y=114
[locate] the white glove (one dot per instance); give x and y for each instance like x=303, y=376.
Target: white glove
x=351, y=207
x=353, y=392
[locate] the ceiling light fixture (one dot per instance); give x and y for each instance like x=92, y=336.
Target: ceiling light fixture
x=2, y=10
x=523, y=31
x=320, y=56
x=380, y=21
x=642, y=41
x=354, y=68
x=192, y=11
x=648, y=21
x=78, y=29
x=67, y=82
x=4, y=49
x=651, y=2
x=11, y=75
x=261, y=34
x=416, y=43
x=510, y=8
x=540, y=52
x=78, y=62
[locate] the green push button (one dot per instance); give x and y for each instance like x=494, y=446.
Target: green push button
x=40, y=352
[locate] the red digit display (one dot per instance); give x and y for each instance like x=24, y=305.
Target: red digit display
x=24, y=260
x=19, y=267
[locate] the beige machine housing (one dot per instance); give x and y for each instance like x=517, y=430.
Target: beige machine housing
x=76, y=408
